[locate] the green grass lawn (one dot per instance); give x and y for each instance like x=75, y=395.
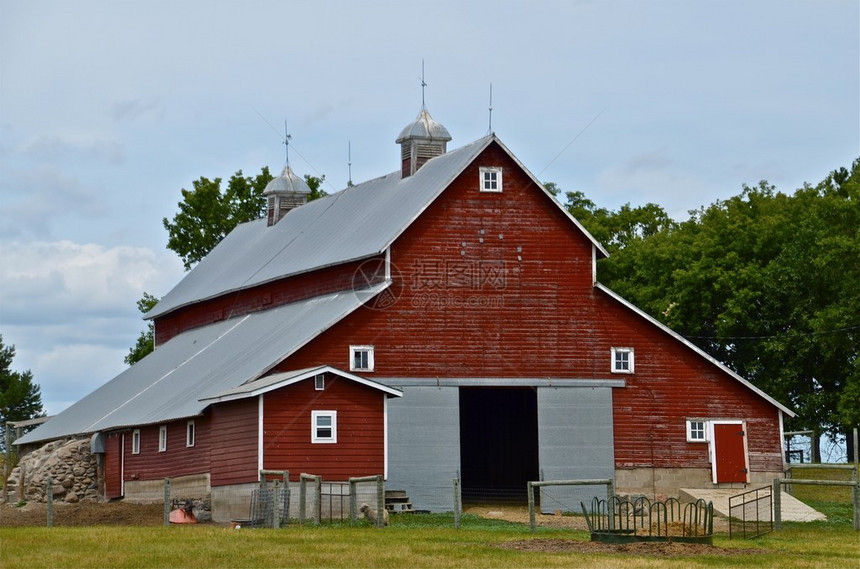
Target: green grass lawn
x=412, y=542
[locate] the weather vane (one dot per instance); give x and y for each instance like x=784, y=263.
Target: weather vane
x=423, y=83
x=490, y=128
x=287, y=138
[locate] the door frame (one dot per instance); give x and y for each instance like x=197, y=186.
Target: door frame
x=713, y=446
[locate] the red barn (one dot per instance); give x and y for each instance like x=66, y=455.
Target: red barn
x=443, y=321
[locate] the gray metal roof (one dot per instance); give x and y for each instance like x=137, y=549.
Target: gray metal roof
x=170, y=382
x=279, y=380
x=355, y=223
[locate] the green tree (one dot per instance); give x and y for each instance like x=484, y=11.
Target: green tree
x=20, y=398
x=146, y=341
x=765, y=282
x=206, y=214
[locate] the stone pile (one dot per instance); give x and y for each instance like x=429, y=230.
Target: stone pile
x=69, y=464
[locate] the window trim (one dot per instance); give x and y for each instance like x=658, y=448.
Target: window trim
x=315, y=416
x=630, y=360
x=483, y=182
x=319, y=382
x=705, y=438
x=190, y=433
x=162, y=438
x=370, y=358
x=135, y=441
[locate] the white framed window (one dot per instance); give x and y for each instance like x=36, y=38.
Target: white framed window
x=622, y=360
x=323, y=426
x=162, y=438
x=697, y=431
x=361, y=358
x=135, y=441
x=319, y=381
x=491, y=179
x=190, y=433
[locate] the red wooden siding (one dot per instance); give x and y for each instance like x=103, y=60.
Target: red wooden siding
x=262, y=297
x=234, y=442
x=359, y=450
x=177, y=460
x=500, y=285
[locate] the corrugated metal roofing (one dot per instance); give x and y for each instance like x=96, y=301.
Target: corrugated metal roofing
x=169, y=383
x=279, y=380
x=352, y=224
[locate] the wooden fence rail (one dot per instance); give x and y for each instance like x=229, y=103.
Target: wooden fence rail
x=778, y=483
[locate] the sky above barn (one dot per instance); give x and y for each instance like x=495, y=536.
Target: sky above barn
x=109, y=109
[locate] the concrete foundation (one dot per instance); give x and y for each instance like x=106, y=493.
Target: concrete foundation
x=662, y=483
x=195, y=486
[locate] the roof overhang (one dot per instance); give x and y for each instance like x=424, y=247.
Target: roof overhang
x=283, y=379
x=696, y=349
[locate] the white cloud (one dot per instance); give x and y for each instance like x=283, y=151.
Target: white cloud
x=70, y=310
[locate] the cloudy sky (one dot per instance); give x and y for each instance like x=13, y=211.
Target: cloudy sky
x=108, y=109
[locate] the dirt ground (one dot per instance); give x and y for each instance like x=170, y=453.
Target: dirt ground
x=85, y=513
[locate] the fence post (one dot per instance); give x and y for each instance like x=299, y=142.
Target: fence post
x=777, y=505
x=317, y=500
x=303, y=498
x=457, y=506
x=531, y=495
x=856, y=495
x=49, y=498
x=353, y=501
x=380, y=500
x=167, y=501
x=276, y=505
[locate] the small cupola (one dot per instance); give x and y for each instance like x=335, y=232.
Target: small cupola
x=421, y=140
x=284, y=193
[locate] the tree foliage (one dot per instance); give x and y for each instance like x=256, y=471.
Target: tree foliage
x=146, y=341
x=765, y=282
x=20, y=398
x=207, y=214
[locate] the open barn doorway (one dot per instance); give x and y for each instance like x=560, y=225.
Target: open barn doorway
x=498, y=442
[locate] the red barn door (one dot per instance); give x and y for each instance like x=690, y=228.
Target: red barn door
x=730, y=456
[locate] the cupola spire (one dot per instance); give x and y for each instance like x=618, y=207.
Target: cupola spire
x=286, y=192
x=422, y=139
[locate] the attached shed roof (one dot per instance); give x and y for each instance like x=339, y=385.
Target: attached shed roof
x=179, y=378
x=353, y=224
x=695, y=348
x=279, y=380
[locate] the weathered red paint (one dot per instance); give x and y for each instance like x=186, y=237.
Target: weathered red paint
x=500, y=285
x=359, y=450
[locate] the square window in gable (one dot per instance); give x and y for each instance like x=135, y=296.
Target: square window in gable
x=361, y=358
x=491, y=179
x=622, y=360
